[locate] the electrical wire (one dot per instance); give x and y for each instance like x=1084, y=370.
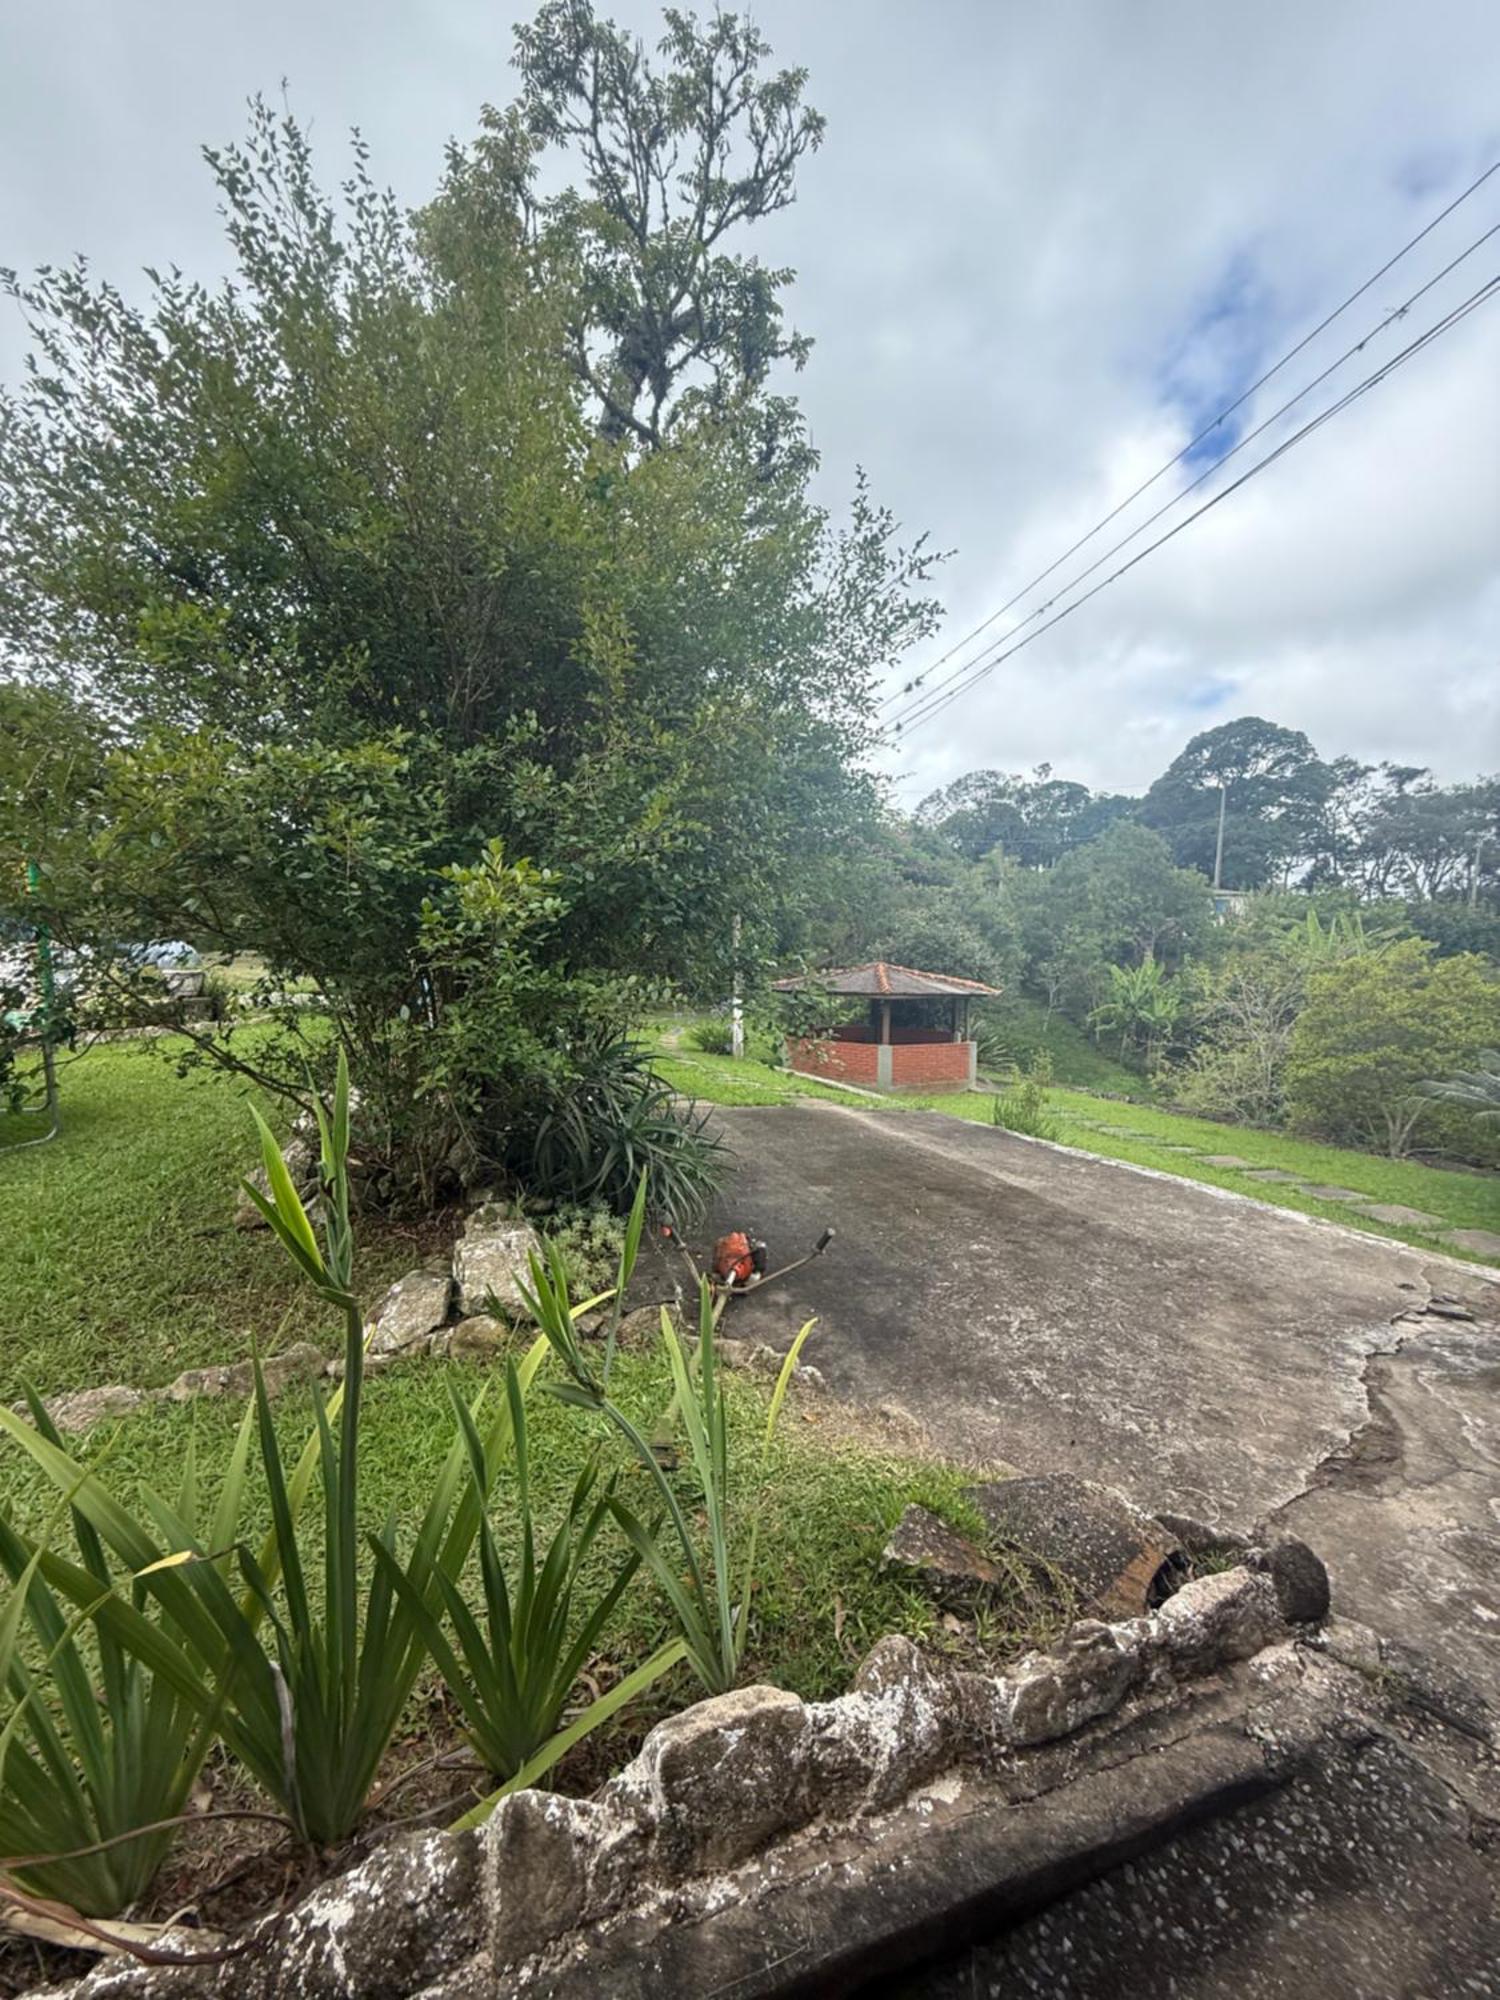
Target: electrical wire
x=1397, y=313
x=1193, y=443
x=1451, y=319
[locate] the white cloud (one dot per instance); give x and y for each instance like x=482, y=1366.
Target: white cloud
x=1016, y=228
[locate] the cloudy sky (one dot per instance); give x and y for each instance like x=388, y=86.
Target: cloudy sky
x=1041, y=244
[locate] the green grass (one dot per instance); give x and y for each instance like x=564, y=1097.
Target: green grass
x=822, y=1598
x=1144, y=1134
x=725, y=1080
x=1077, y=1060
x=121, y=1262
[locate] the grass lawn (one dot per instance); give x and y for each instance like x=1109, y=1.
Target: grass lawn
x=1146, y=1134
x=121, y=1262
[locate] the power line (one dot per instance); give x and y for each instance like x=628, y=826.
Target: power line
x=1192, y=444
x=1398, y=312
x=1434, y=332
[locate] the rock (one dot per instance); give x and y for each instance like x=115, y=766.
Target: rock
x=1483, y=1242
x=1397, y=1216
x=721, y=1779
x=1225, y=1160
x=381, y=1932
x=491, y=1258
x=410, y=1313
x=1321, y=1191
x=1274, y=1175
x=1048, y=1695
x=1120, y=1561
x=948, y=1567
x=80, y=1409
x=1353, y=1644
x=900, y=1726
x=300, y=1362
x=301, y=1163
x=478, y=1338
x=1215, y=1619
x=551, y=1863
x=1201, y=1538
x=1301, y=1581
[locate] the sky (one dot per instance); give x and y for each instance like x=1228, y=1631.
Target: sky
x=1040, y=247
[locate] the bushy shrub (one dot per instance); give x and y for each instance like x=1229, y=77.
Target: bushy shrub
x=589, y=1240
x=715, y=1036
x=1023, y=1108
x=1376, y=1029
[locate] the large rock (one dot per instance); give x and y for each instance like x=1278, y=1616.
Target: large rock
x=722, y=1778
x=1216, y=1619
x=1049, y=1695
x=298, y=1363
x=491, y=1260
x=1121, y=1562
x=410, y=1313
x=924, y=1549
x=81, y=1409
x=552, y=1863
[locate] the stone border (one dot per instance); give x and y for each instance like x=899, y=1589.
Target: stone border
x=550, y=1879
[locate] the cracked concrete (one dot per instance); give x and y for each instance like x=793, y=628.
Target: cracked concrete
x=1055, y=1312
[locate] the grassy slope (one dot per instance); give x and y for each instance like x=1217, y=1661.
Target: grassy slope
x=1144, y=1134
x=121, y=1261
x=1077, y=1060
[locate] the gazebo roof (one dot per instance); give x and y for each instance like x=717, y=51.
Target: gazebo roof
x=881, y=980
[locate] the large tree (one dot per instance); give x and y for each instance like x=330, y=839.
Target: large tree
x=340, y=559
x=1273, y=786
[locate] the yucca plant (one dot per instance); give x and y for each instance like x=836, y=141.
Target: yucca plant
x=98, y=1755
x=311, y=1719
x=512, y=1669
x=710, y=1598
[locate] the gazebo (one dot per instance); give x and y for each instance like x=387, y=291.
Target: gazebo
x=915, y=1035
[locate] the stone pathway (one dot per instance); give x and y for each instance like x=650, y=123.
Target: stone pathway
x=1393, y=1215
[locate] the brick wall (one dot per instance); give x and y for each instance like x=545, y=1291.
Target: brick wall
x=923, y=1065
x=844, y=1062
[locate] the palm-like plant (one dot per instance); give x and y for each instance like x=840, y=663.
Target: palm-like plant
x=1478, y=1089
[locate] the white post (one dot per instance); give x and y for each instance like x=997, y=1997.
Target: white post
x=736, y=1003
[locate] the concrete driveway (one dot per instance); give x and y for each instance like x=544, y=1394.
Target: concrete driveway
x=1204, y=1352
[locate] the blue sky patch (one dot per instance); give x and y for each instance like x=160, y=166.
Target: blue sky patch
x=1219, y=354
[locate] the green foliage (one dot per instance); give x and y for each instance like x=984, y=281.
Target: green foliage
x=1275, y=788
x=358, y=595
x=1023, y=1108
x=590, y=1239
x=97, y=1747
x=709, y=1596
x=1142, y=1002
x=512, y=1674
x=617, y=1121
x=1477, y=1089
x=1375, y=1029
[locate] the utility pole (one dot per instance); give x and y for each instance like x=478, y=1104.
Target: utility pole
x=1219, y=844
x=736, y=1002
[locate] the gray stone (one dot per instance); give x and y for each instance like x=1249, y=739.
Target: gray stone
x=1201, y=1538
x=410, y=1313
x=80, y=1409
x=1397, y=1216
x=721, y=1779
x=478, y=1338
x=1120, y=1560
x=1323, y=1192
x=1301, y=1581
x=1215, y=1619
x=1274, y=1174
x=1049, y=1695
x=552, y=1863
x=491, y=1261
x=901, y=1724
x=299, y=1363
x=953, y=1572
x=1225, y=1160
x=1483, y=1242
